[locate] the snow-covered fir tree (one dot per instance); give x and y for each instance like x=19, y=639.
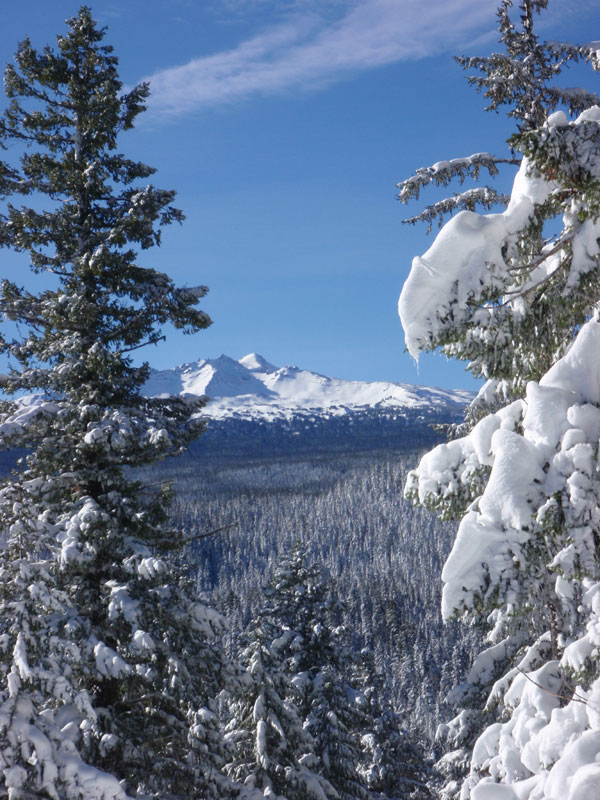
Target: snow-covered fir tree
x=466, y=311
x=516, y=294
x=320, y=663
x=353, y=741
x=108, y=666
x=273, y=753
x=393, y=766
x=300, y=722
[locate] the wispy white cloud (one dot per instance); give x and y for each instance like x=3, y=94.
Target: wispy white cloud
x=308, y=49
x=315, y=42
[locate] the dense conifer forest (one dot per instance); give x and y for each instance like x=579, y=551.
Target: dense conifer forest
x=345, y=503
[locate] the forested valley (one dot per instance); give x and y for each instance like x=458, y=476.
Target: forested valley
x=343, y=500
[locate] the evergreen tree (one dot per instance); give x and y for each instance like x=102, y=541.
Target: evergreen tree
x=108, y=665
x=272, y=750
x=393, y=765
x=302, y=602
x=358, y=745
x=517, y=294
x=320, y=661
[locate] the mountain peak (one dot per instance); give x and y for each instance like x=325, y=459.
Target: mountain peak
x=255, y=388
x=257, y=363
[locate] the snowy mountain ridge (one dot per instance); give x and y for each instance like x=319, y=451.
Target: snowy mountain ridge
x=256, y=388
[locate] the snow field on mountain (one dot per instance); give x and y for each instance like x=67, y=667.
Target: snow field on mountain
x=254, y=386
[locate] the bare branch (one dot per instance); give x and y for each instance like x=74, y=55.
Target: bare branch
x=575, y=698
x=167, y=544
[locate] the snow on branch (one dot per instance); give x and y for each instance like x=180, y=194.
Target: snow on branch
x=482, y=196
x=567, y=151
x=566, y=51
x=28, y=411
x=443, y=172
x=465, y=261
x=471, y=270
x=536, y=450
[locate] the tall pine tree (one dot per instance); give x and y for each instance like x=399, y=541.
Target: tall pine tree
x=108, y=668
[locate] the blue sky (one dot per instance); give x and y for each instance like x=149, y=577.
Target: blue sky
x=284, y=126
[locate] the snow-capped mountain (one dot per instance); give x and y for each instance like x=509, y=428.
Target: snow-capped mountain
x=254, y=387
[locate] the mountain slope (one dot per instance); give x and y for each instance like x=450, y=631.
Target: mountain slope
x=256, y=408
x=252, y=386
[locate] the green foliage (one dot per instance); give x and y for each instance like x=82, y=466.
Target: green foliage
x=109, y=668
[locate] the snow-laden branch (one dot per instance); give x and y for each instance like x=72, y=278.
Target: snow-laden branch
x=475, y=259
x=465, y=261
x=443, y=172
x=481, y=196
x=535, y=450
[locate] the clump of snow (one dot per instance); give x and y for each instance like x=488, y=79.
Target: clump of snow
x=206, y=620
x=150, y=567
x=109, y=663
x=27, y=409
x=69, y=534
x=467, y=253
x=465, y=262
x=142, y=641
x=525, y=470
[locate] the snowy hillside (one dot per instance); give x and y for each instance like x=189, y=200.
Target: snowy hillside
x=254, y=387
